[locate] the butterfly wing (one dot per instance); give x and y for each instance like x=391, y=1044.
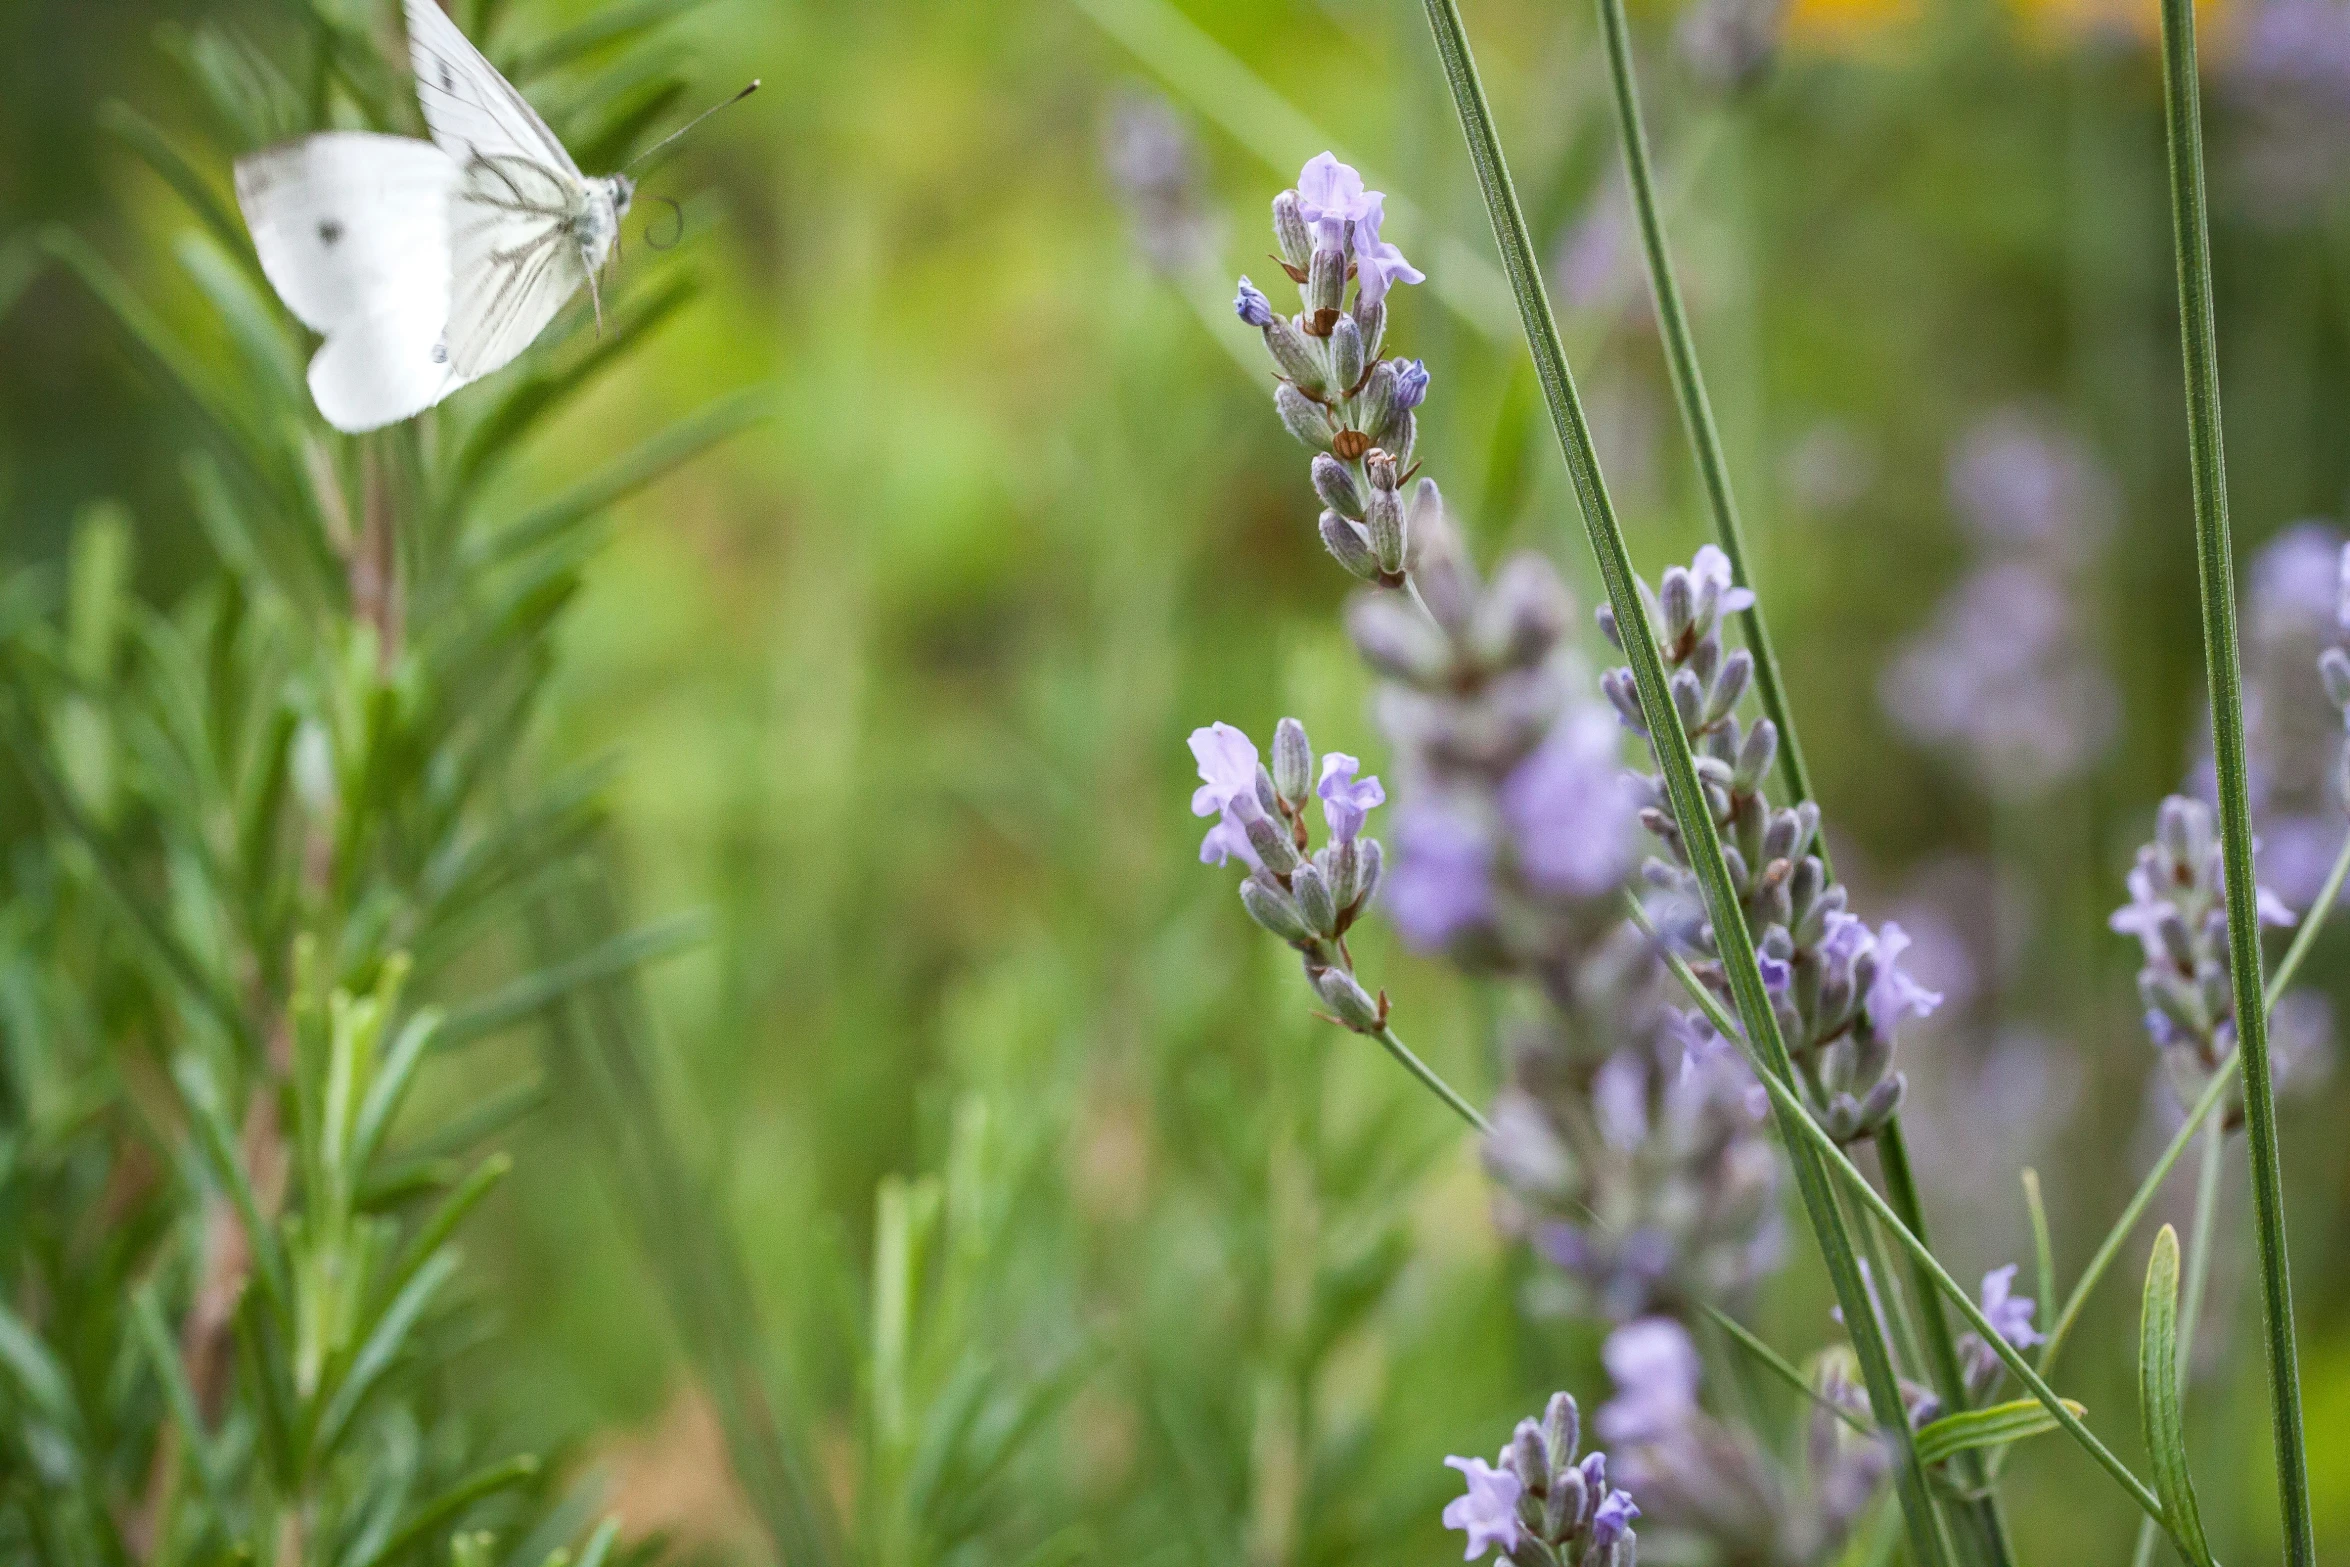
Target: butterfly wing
x=515, y=257
x=353, y=231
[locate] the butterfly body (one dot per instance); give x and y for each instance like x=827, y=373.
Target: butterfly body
x=428, y=264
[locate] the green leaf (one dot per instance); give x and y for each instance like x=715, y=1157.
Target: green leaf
x=155, y=1338
x=143, y=137
x=2159, y=1399
x=446, y=1506
x=1975, y=1428
x=611, y=25
x=533, y=994
x=383, y=1346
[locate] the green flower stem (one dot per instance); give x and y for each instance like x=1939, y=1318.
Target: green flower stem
x=2215, y=569
x=2213, y=1093
x=1824, y=1149
x=1431, y=1081
x=1779, y=1366
x=2215, y=1144
x=1705, y=440
x=1697, y=412
x=1687, y=799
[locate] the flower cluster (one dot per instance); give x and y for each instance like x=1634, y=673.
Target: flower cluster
x=1309, y=900
x=1540, y=1505
x=1644, y=1174
x=1696, y=1475
x=2178, y=910
x=1335, y=392
x=1836, y=986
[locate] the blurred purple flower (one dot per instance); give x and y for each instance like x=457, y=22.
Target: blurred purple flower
x=1345, y=802
x=1612, y=1520
x=2021, y=483
x=1488, y=1513
x=1441, y=884
x=2010, y=1316
x=1252, y=306
x=1655, y=1369
x=2000, y=678
x=1571, y=808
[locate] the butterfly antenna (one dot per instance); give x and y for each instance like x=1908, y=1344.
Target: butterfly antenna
x=689, y=125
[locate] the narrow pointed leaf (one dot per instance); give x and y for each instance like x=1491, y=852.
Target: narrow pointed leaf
x=2159, y=1398
x=1978, y=1428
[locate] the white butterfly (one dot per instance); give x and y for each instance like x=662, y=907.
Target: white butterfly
x=428, y=264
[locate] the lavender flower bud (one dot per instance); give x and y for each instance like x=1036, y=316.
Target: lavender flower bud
x=1336, y=485
x=1370, y=861
x=1293, y=763
x=1270, y=907
x=1325, y=287
x=1371, y=320
x=1562, y=1428
x=1268, y=797
x=1402, y=431
x=1568, y=1501
x=1523, y=614
x=1348, y=543
x=1448, y=583
x=1302, y=417
x=1295, y=357
x=1678, y=599
x=1530, y=1457
x=1348, y=1001
x=1689, y=700
x=1411, y=384
x=1881, y=1103
x=1729, y=686
x=1375, y=405
x=1755, y=755
x=1606, y=614
x=1252, y=306
x=1383, y=522
x=1346, y=356
x=1271, y=842
x=1290, y=233
x=1312, y=894
x=1623, y=693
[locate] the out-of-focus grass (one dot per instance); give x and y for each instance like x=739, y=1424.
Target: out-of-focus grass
x=899, y=683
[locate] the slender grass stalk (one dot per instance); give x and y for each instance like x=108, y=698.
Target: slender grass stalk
x=2215, y=1145
x=2191, y=234
x=1672, y=744
x=1825, y=1150
x=1705, y=440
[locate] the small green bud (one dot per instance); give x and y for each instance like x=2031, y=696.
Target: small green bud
x=1345, y=541
x=1348, y=1001
x=1293, y=762
x=1297, y=359
x=1346, y=355
x=1270, y=907
x=1302, y=417
x=1383, y=521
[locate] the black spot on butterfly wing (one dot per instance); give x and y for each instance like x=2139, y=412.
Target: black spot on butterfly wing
x=330, y=230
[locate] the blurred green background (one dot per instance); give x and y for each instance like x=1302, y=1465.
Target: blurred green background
x=898, y=682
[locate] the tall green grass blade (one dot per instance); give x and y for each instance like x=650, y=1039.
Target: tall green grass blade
x=2215, y=570
x=2159, y=1402
x=1673, y=754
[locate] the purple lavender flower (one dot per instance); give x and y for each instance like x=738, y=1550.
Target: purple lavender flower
x=2022, y=484
x=1488, y=1513
x=1345, y=802
x=1378, y=263
x=1151, y=156
x=1895, y=995
x=1441, y=887
x=1710, y=573
x=2290, y=77
x=1571, y=809
x=1252, y=306
x=1331, y=197
x=2293, y=726
x=1611, y=1521
x=1228, y=789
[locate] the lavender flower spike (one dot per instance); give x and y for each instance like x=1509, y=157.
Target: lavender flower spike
x=1488, y=1513
x=1539, y=1503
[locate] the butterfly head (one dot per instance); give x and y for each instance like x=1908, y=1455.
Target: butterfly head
x=623, y=191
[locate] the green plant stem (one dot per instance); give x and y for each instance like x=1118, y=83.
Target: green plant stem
x=1705, y=440
x=1823, y=1147
x=2213, y=1093
x=1697, y=412
x=2216, y=573
x=2215, y=1143
x=1779, y=1366
x=1673, y=755
x=1431, y=1081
